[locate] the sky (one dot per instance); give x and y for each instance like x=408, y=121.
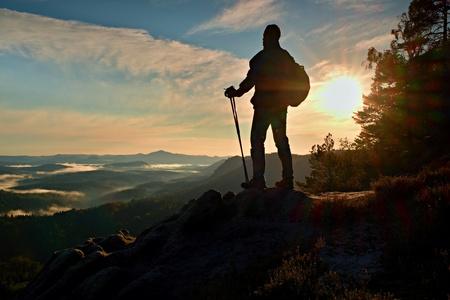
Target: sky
x=117, y=77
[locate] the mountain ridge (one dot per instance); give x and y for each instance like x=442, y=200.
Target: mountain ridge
x=159, y=156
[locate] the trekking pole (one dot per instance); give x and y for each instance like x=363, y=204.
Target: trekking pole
x=236, y=122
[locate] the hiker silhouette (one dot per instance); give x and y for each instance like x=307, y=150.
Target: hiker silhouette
x=270, y=109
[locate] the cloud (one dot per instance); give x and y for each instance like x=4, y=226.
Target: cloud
x=351, y=34
x=320, y=65
x=362, y=6
x=49, y=211
x=243, y=15
x=130, y=50
x=20, y=166
x=73, y=195
x=10, y=180
x=17, y=213
x=325, y=70
x=72, y=168
x=319, y=30
x=382, y=40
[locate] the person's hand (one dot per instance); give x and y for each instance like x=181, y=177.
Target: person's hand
x=230, y=92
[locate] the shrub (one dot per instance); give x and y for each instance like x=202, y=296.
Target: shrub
x=305, y=276
x=413, y=211
x=15, y=273
x=344, y=169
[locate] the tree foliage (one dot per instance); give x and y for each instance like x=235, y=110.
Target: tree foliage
x=37, y=237
x=423, y=27
x=406, y=115
x=343, y=169
x=15, y=273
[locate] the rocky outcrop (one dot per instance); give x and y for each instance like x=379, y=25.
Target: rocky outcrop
x=210, y=237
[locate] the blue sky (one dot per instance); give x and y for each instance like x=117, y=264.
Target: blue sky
x=138, y=76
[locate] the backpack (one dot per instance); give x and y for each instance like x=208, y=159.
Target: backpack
x=296, y=86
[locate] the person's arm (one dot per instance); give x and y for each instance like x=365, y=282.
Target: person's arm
x=246, y=84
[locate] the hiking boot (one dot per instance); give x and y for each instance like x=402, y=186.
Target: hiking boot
x=285, y=183
x=259, y=184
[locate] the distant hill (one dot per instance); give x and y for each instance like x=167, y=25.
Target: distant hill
x=127, y=164
x=45, y=168
x=222, y=176
x=158, y=157
x=96, y=183
x=9, y=170
x=138, y=192
x=230, y=175
x=174, y=158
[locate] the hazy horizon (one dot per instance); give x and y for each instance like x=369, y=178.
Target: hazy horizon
x=143, y=153
x=106, y=153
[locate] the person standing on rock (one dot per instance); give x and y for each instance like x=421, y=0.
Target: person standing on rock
x=266, y=69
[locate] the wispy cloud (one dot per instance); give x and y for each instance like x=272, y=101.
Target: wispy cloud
x=325, y=70
x=354, y=33
x=319, y=30
x=17, y=213
x=382, y=40
x=131, y=50
x=10, y=180
x=51, y=210
x=73, y=195
x=362, y=6
x=243, y=15
x=72, y=168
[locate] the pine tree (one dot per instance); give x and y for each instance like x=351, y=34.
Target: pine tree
x=423, y=27
x=406, y=115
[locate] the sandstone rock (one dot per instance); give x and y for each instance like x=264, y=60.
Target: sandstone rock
x=100, y=285
x=52, y=271
x=209, y=238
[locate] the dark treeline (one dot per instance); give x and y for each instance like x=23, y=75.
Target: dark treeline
x=37, y=237
x=33, y=202
x=29, y=241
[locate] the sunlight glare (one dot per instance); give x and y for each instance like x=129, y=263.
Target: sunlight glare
x=341, y=96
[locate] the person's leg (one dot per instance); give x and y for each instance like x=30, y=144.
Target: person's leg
x=278, y=123
x=260, y=124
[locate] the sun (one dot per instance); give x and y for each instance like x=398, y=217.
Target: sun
x=341, y=96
